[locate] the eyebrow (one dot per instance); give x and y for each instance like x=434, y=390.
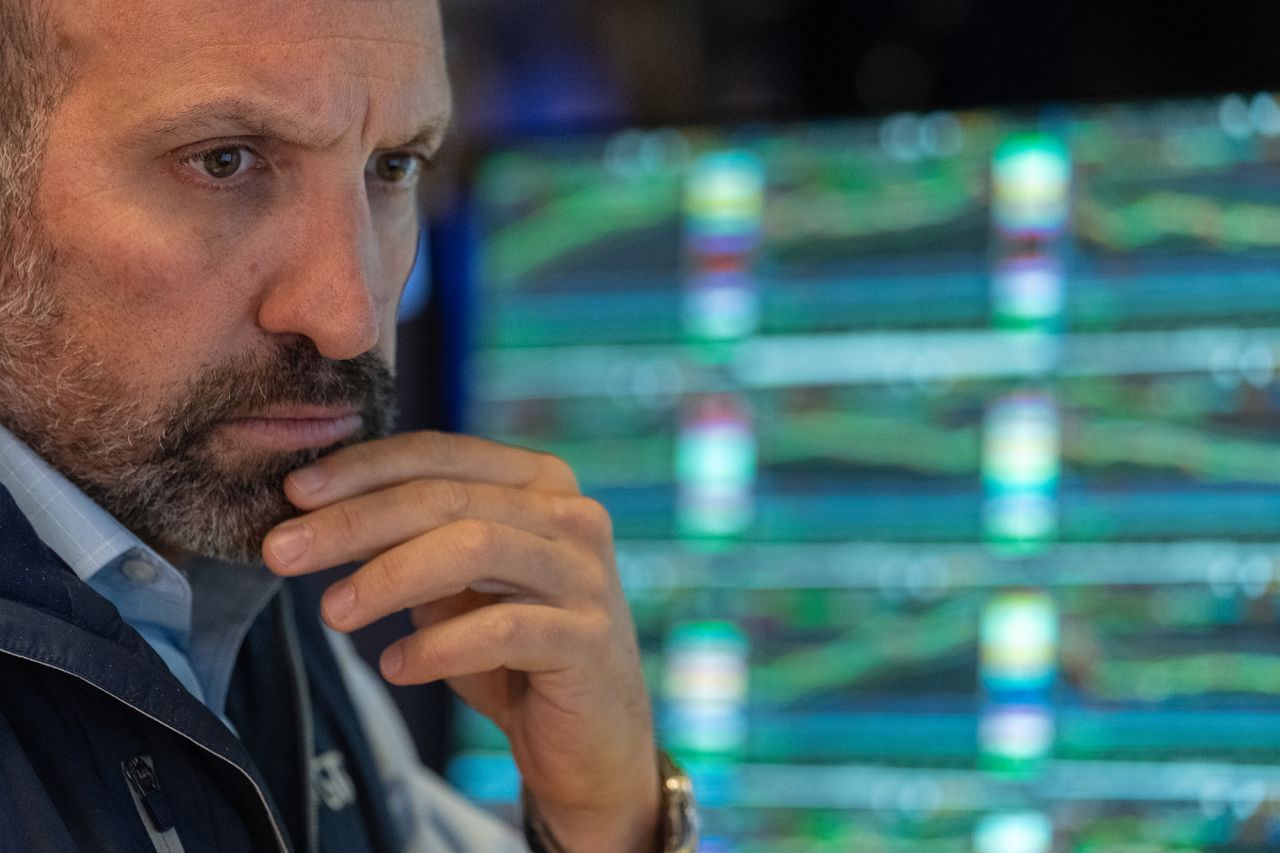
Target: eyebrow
x=428, y=136
x=255, y=119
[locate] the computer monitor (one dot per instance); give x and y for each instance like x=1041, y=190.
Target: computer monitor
x=941, y=451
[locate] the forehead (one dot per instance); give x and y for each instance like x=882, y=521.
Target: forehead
x=378, y=62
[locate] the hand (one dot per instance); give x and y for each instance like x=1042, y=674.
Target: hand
x=509, y=576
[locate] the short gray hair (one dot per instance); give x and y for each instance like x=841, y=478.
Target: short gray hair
x=34, y=74
x=33, y=77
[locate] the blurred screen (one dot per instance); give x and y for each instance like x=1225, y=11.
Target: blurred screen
x=940, y=451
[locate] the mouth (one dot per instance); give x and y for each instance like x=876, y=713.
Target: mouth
x=291, y=427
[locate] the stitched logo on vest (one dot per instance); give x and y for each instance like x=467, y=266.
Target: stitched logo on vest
x=332, y=782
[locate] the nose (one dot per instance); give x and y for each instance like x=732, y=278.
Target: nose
x=323, y=287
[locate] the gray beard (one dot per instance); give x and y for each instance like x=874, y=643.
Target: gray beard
x=160, y=473
x=182, y=495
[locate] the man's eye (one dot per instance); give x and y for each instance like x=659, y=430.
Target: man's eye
x=397, y=167
x=223, y=164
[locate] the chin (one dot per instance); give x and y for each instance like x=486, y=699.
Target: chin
x=214, y=529
x=216, y=502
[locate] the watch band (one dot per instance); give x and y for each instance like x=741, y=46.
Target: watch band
x=679, y=825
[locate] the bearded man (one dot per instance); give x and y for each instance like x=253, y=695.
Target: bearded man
x=206, y=217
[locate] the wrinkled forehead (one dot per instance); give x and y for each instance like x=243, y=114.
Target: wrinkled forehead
x=380, y=62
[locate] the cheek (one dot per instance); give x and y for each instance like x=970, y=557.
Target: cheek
x=149, y=275
x=153, y=300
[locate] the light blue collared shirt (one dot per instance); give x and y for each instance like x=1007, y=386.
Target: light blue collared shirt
x=195, y=619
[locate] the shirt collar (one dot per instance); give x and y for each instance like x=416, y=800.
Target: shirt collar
x=83, y=534
x=151, y=595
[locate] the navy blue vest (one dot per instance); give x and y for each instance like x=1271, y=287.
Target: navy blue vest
x=102, y=749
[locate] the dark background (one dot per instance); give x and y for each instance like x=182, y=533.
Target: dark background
x=524, y=67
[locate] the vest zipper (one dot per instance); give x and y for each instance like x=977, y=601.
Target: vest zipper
x=152, y=804
x=262, y=798
x=306, y=716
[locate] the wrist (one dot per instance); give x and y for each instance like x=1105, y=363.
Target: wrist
x=665, y=819
x=572, y=831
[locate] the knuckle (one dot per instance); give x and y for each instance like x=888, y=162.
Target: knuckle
x=475, y=539
x=429, y=647
x=557, y=472
x=504, y=625
x=446, y=498
x=584, y=516
x=564, y=513
x=382, y=575
x=595, y=517
x=600, y=584
x=346, y=522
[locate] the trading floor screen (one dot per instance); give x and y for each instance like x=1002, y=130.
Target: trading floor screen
x=942, y=456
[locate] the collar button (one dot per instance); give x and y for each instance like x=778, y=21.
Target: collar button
x=139, y=571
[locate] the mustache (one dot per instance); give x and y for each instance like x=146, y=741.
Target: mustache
x=293, y=374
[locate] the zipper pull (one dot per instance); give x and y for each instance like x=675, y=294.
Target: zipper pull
x=142, y=776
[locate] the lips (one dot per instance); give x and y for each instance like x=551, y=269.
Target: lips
x=294, y=427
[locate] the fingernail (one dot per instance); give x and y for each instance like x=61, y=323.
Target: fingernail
x=392, y=661
x=309, y=480
x=339, y=601
x=290, y=543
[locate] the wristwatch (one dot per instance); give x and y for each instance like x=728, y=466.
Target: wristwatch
x=680, y=823
x=679, y=829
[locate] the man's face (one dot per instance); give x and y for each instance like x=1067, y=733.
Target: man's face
x=225, y=217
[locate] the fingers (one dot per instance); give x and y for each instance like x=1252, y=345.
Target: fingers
x=447, y=608
x=469, y=555
x=357, y=529
x=376, y=465
x=531, y=638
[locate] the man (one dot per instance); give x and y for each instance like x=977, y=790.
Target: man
x=206, y=216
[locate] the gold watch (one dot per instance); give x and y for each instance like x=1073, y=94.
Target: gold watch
x=678, y=830
x=680, y=823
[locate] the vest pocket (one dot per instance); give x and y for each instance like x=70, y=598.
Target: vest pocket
x=152, y=804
